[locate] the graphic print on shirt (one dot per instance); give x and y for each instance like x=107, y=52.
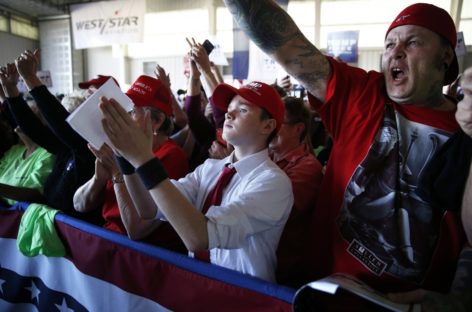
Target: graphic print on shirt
x=388, y=226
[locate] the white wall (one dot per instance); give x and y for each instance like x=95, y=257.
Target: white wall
x=57, y=57
x=173, y=65
x=12, y=46
x=101, y=61
x=369, y=59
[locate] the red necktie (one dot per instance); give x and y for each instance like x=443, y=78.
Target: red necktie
x=214, y=198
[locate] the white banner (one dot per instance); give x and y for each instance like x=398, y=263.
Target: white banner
x=262, y=67
x=105, y=23
x=461, y=48
x=217, y=56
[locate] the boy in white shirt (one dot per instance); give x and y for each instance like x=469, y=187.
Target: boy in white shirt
x=242, y=232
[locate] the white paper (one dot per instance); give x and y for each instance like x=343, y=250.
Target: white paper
x=86, y=120
x=262, y=67
x=217, y=56
x=331, y=284
x=324, y=286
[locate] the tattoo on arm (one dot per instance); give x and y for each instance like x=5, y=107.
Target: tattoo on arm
x=264, y=22
x=274, y=31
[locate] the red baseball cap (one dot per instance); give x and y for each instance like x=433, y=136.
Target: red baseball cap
x=257, y=93
x=435, y=19
x=97, y=82
x=149, y=91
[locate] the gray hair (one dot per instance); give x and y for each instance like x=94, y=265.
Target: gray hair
x=72, y=100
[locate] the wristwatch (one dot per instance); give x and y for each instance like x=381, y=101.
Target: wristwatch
x=117, y=178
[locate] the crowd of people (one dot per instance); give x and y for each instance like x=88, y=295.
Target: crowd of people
x=370, y=175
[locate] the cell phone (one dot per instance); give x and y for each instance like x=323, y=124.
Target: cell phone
x=208, y=46
x=298, y=91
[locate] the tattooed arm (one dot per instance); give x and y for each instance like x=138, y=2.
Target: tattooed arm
x=274, y=31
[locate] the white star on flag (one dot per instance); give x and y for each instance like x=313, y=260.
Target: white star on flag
x=63, y=307
x=34, y=291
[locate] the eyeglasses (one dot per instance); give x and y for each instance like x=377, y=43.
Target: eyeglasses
x=141, y=110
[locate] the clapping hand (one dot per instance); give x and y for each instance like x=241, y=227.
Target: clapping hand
x=105, y=163
x=130, y=139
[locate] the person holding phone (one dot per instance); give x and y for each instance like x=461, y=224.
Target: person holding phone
x=204, y=130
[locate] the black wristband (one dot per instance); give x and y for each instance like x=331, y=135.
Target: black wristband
x=152, y=173
x=125, y=167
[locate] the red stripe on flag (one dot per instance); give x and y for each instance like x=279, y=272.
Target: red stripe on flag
x=167, y=284
x=10, y=223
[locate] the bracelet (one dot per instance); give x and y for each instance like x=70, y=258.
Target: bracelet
x=117, y=178
x=125, y=166
x=152, y=173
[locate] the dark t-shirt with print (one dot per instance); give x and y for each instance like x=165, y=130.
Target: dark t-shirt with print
x=369, y=220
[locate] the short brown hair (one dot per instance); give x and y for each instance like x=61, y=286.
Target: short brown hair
x=295, y=112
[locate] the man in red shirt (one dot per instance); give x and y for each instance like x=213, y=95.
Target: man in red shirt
x=369, y=220
x=291, y=151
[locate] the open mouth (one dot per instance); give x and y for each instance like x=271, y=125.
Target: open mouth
x=397, y=73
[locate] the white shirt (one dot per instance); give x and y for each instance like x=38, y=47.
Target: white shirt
x=244, y=231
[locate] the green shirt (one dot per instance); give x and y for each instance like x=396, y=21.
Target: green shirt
x=31, y=172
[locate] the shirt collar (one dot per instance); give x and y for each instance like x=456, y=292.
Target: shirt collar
x=295, y=154
x=249, y=163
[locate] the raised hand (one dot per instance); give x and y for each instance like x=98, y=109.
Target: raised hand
x=162, y=76
x=9, y=79
x=464, y=107
x=28, y=63
x=3, y=97
x=285, y=83
x=127, y=136
x=194, y=71
x=199, y=55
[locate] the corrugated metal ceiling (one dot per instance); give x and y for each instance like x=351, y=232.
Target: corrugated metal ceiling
x=39, y=8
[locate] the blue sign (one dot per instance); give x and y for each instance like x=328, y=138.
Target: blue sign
x=344, y=45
